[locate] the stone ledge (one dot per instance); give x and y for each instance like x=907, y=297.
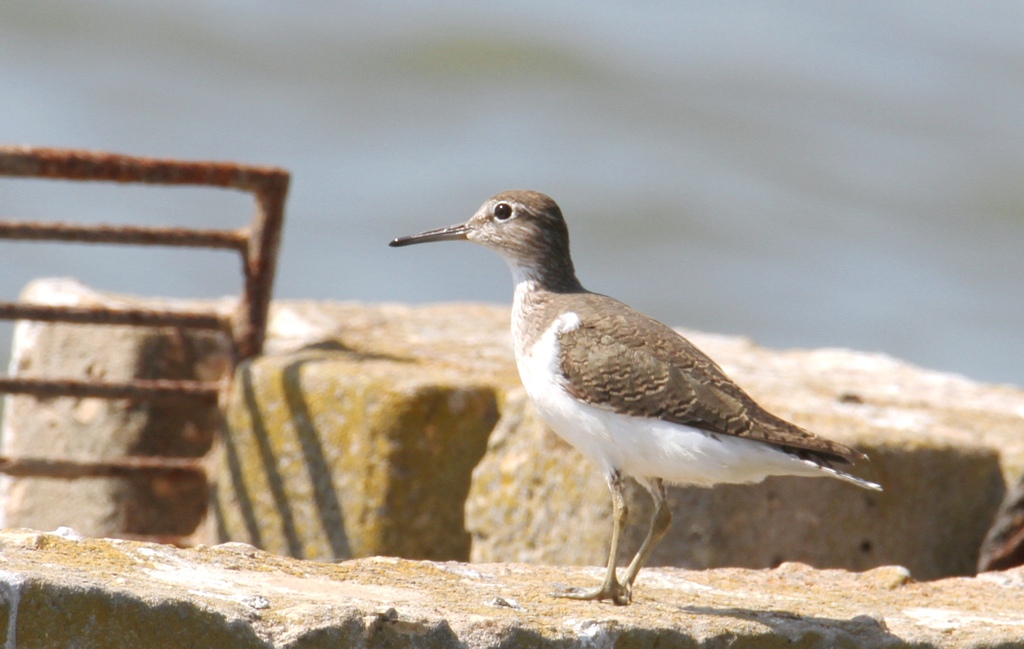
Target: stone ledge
x=61, y=590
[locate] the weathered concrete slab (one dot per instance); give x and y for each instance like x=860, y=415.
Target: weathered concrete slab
x=95, y=429
x=59, y=591
x=1004, y=545
x=357, y=448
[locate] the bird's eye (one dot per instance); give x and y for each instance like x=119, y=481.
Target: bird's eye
x=502, y=211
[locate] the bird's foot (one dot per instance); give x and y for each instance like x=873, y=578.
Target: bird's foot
x=619, y=594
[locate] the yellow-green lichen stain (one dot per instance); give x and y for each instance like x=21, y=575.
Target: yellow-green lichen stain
x=332, y=454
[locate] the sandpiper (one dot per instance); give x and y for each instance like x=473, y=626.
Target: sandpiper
x=629, y=392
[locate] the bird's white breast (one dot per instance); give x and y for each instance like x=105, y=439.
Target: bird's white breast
x=640, y=446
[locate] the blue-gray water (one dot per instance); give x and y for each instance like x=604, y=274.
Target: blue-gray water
x=807, y=174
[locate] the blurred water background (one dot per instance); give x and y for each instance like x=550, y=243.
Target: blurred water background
x=806, y=174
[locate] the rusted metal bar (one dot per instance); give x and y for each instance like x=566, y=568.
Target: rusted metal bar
x=111, y=316
x=269, y=186
x=258, y=246
x=137, y=389
x=137, y=235
x=261, y=265
x=69, y=164
x=120, y=467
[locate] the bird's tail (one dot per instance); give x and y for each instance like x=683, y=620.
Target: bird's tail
x=826, y=467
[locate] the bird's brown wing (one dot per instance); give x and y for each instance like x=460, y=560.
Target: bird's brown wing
x=635, y=365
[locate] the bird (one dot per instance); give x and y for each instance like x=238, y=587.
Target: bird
x=630, y=393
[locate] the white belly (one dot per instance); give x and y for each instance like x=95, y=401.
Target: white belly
x=642, y=447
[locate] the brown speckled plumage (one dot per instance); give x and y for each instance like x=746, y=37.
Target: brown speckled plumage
x=625, y=361
x=638, y=366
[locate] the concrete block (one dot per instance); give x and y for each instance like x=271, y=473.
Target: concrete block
x=89, y=428
x=341, y=450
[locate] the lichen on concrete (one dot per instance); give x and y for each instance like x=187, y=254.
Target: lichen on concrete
x=67, y=591
x=335, y=452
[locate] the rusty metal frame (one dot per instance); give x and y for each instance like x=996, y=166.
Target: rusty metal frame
x=257, y=245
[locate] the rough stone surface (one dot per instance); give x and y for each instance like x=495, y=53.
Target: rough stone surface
x=357, y=448
x=1004, y=545
x=89, y=428
x=62, y=591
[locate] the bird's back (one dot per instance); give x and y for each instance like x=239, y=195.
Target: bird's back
x=623, y=360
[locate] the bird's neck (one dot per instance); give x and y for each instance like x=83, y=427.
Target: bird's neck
x=537, y=291
x=554, y=274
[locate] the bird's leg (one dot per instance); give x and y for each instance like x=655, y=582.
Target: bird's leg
x=660, y=522
x=619, y=593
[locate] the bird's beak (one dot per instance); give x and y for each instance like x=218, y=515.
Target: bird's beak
x=451, y=233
